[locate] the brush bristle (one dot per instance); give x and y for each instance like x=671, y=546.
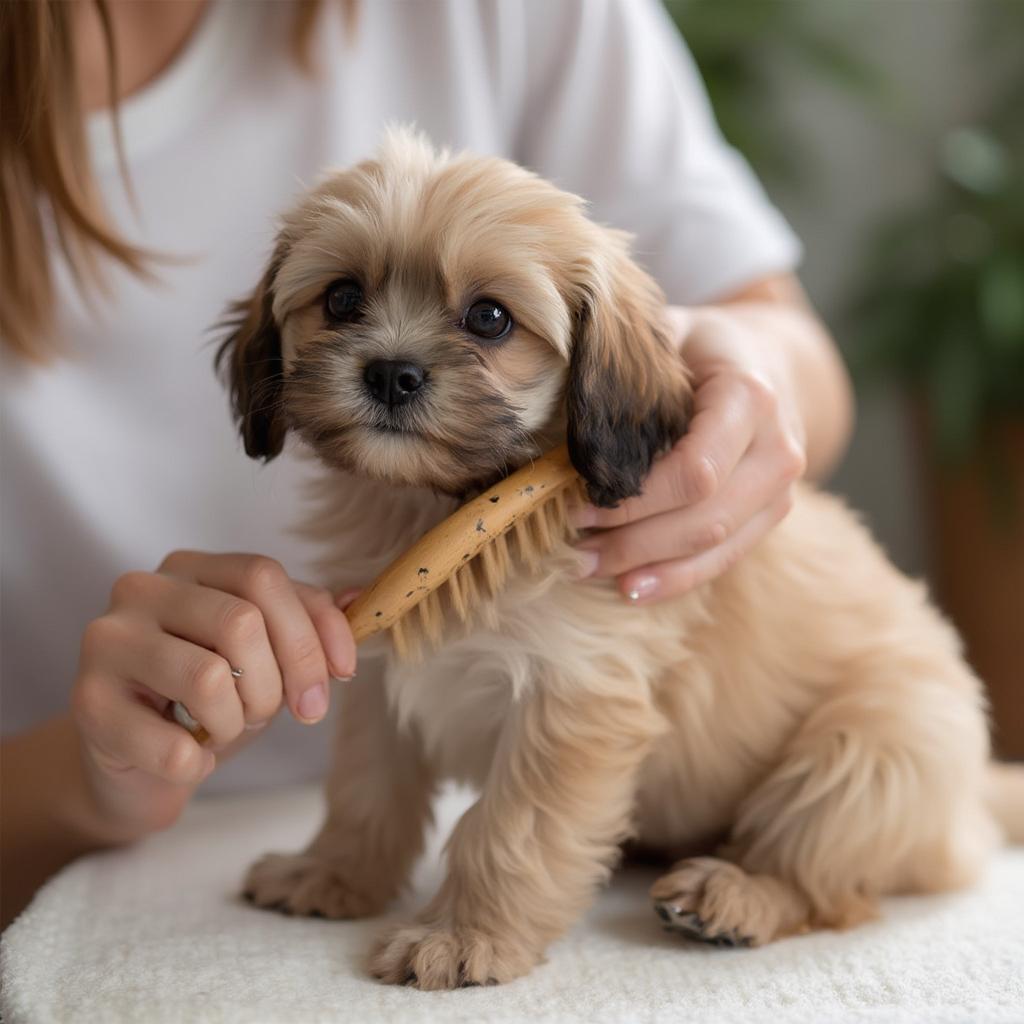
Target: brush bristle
x=492, y=568
x=456, y=594
x=400, y=640
x=432, y=619
x=470, y=591
x=525, y=546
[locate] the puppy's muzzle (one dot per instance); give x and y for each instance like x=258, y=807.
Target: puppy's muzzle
x=393, y=382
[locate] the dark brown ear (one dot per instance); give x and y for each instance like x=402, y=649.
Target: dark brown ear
x=628, y=396
x=250, y=358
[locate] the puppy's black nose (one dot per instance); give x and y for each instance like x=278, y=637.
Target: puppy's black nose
x=393, y=382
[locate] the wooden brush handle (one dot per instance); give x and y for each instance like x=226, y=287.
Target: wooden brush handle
x=458, y=539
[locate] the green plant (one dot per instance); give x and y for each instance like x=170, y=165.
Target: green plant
x=942, y=305
x=940, y=291
x=740, y=46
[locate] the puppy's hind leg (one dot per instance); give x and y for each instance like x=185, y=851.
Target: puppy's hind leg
x=880, y=791
x=379, y=805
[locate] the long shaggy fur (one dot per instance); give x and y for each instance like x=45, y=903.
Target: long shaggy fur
x=802, y=731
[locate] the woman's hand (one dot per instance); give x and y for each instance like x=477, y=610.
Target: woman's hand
x=726, y=483
x=177, y=635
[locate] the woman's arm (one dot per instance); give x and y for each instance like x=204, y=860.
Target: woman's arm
x=48, y=815
x=772, y=401
x=232, y=636
x=52, y=811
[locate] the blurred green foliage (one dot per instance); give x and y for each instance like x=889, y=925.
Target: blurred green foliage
x=942, y=302
x=940, y=289
x=740, y=45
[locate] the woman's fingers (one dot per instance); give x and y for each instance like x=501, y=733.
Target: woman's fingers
x=297, y=646
x=220, y=622
x=169, y=668
x=125, y=733
x=343, y=599
x=331, y=625
x=670, y=579
x=685, y=532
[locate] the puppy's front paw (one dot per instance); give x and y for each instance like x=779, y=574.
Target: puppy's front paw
x=714, y=901
x=431, y=957
x=311, y=887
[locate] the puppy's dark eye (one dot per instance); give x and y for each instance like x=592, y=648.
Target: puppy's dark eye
x=343, y=299
x=487, y=320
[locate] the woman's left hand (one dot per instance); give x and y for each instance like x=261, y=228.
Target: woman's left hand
x=724, y=484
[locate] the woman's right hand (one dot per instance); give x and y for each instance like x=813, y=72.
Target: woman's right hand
x=175, y=635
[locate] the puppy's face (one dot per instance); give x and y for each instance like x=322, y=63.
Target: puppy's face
x=438, y=321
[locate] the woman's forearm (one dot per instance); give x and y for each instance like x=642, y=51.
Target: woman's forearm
x=47, y=810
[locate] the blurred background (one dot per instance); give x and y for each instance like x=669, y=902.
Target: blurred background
x=891, y=134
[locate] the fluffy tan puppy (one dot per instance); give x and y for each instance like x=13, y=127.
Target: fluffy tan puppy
x=802, y=731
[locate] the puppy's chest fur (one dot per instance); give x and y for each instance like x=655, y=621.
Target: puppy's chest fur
x=542, y=630
x=725, y=666
x=583, y=642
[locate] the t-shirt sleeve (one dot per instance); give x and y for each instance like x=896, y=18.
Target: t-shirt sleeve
x=614, y=109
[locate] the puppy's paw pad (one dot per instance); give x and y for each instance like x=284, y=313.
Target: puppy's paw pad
x=716, y=902
x=308, y=886
x=431, y=957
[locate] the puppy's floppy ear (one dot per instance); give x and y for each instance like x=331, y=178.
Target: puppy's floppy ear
x=628, y=395
x=250, y=358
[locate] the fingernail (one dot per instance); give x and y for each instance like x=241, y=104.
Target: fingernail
x=337, y=672
x=642, y=587
x=346, y=597
x=210, y=762
x=313, y=703
x=343, y=679
x=255, y=726
x=586, y=563
x=583, y=517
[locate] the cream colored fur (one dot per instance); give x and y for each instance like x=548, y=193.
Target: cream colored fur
x=802, y=731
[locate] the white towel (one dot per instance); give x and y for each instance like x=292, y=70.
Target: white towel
x=156, y=933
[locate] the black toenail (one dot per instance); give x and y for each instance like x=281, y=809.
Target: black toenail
x=662, y=912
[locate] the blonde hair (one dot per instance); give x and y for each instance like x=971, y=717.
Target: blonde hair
x=48, y=194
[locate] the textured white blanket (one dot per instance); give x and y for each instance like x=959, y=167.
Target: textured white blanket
x=156, y=934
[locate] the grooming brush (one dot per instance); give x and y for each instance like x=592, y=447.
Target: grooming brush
x=462, y=563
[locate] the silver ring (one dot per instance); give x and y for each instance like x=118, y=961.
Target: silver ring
x=238, y=672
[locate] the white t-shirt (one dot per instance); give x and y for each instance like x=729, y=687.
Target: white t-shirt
x=124, y=450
